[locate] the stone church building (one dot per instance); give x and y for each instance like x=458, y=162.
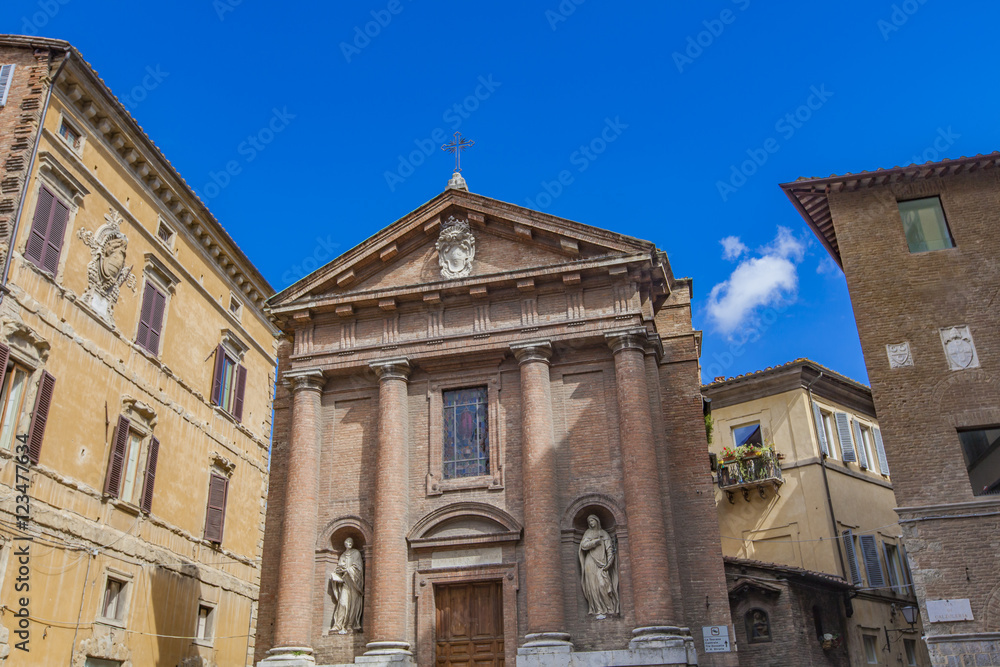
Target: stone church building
x=489, y=449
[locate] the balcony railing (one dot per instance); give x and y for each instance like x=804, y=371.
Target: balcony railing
x=749, y=472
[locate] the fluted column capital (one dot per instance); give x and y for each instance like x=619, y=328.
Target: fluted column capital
x=310, y=379
x=392, y=369
x=538, y=350
x=629, y=339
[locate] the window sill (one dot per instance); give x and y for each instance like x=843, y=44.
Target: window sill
x=100, y=620
x=123, y=505
x=207, y=643
x=435, y=486
x=225, y=413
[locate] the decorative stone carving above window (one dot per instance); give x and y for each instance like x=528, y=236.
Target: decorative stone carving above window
x=222, y=464
x=139, y=413
x=456, y=248
x=59, y=176
x=25, y=345
x=959, y=348
x=106, y=271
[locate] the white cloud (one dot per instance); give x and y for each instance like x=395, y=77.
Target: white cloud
x=768, y=280
x=827, y=266
x=732, y=247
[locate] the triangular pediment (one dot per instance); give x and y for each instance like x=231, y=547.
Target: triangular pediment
x=508, y=239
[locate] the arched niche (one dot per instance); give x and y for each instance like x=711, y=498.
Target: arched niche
x=331, y=538
x=607, y=509
x=464, y=524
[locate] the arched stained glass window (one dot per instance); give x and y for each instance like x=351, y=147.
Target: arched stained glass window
x=466, y=433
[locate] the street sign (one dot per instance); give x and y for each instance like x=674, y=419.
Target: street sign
x=716, y=638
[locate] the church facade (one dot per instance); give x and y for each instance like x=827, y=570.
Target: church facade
x=489, y=449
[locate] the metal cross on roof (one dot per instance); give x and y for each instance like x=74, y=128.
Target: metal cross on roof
x=458, y=145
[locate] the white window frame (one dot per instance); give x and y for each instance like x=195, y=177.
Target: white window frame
x=64, y=119
x=124, y=595
x=910, y=652
x=832, y=439
x=868, y=442
x=168, y=243
x=4, y=398
x=870, y=648
x=10, y=83
x=238, y=313
x=208, y=639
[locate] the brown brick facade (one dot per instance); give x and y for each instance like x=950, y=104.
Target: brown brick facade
x=898, y=297
x=575, y=430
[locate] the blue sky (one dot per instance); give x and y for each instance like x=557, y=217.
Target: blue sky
x=686, y=94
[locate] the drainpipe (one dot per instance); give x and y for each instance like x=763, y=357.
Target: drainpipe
x=27, y=178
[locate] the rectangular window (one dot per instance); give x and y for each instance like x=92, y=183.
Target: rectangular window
x=6, y=80
x=843, y=423
x=910, y=647
x=228, y=383
x=869, y=445
x=40, y=415
x=131, y=466
x=831, y=435
x=70, y=135
x=154, y=303
x=466, y=433
x=873, y=566
x=113, y=604
x=924, y=225
x=852, y=557
x=165, y=234
x=871, y=649
x=894, y=568
x=204, y=633
x=48, y=230
x=748, y=435
x=981, y=448
x=235, y=306
x=215, y=514
x=12, y=400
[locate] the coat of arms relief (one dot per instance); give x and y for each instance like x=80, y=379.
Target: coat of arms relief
x=959, y=348
x=106, y=272
x=456, y=248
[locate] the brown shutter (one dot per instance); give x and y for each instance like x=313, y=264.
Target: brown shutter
x=116, y=462
x=43, y=400
x=4, y=358
x=241, y=385
x=146, y=503
x=39, y=227
x=220, y=361
x=54, y=238
x=156, y=320
x=215, y=514
x=145, y=315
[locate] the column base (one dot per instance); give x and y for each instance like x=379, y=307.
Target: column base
x=384, y=652
x=289, y=656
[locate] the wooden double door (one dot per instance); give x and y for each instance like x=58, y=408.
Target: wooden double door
x=469, y=628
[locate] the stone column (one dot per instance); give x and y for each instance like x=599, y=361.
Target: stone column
x=389, y=582
x=542, y=539
x=293, y=617
x=648, y=559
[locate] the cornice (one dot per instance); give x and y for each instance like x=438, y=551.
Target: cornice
x=81, y=90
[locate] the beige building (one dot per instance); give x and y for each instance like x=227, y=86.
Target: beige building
x=810, y=464
x=136, y=369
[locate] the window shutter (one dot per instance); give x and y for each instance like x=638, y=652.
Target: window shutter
x=862, y=452
x=907, y=575
x=215, y=515
x=39, y=227
x=54, y=238
x=116, y=462
x=820, y=431
x=146, y=503
x=869, y=551
x=852, y=558
x=4, y=358
x=6, y=80
x=145, y=315
x=890, y=570
x=43, y=400
x=844, y=433
x=883, y=463
x=159, y=300
x=241, y=385
x=220, y=361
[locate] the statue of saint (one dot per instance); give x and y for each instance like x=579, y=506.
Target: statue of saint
x=347, y=584
x=599, y=565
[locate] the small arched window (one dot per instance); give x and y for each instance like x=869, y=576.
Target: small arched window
x=758, y=626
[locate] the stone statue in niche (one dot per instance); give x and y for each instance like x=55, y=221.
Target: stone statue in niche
x=599, y=570
x=347, y=586
x=106, y=271
x=456, y=248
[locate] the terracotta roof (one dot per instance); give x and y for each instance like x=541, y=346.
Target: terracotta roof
x=791, y=571
x=810, y=195
x=785, y=366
